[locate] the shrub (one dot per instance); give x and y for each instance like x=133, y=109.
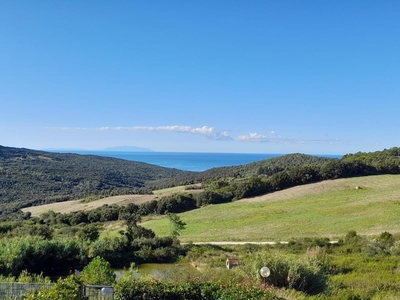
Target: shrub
x=395, y=249
x=374, y=248
x=386, y=239
x=68, y=288
x=307, y=274
x=33, y=253
x=353, y=243
x=98, y=271
x=141, y=290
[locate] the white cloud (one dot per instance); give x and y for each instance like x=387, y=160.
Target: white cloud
x=274, y=138
x=252, y=137
x=209, y=132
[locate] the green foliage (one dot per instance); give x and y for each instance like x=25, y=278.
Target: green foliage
x=25, y=276
x=65, y=289
x=395, y=249
x=44, y=231
x=308, y=274
x=6, y=227
x=142, y=290
x=176, y=225
x=155, y=249
x=98, y=271
x=131, y=217
x=386, y=238
x=92, y=198
x=115, y=249
x=88, y=233
x=36, y=253
x=213, y=197
x=176, y=203
x=384, y=162
x=29, y=177
x=353, y=243
x=365, y=276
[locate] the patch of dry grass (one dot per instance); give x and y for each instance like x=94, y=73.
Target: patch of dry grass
x=77, y=205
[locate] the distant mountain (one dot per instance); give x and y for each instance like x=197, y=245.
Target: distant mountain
x=128, y=149
x=110, y=149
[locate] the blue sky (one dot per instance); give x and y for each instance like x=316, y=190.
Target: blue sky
x=317, y=77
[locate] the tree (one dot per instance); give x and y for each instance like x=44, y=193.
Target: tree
x=131, y=217
x=88, y=233
x=98, y=271
x=176, y=225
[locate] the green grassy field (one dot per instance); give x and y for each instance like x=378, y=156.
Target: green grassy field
x=176, y=189
x=325, y=209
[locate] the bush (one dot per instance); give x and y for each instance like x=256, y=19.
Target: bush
x=98, y=271
x=374, y=248
x=68, y=288
x=395, y=249
x=36, y=253
x=353, y=243
x=307, y=274
x=141, y=290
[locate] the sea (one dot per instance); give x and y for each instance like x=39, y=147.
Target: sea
x=189, y=161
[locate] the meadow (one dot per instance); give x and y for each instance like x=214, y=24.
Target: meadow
x=369, y=205
x=360, y=212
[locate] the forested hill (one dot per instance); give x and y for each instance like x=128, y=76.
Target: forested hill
x=29, y=177
x=295, y=169
x=265, y=167
x=268, y=166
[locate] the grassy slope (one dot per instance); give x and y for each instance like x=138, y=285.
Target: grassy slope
x=66, y=207
x=325, y=209
x=31, y=177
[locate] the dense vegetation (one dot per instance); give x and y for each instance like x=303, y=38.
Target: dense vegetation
x=33, y=177
x=29, y=177
x=263, y=168
x=39, y=246
x=354, y=268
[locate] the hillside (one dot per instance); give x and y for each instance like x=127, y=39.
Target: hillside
x=265, y=167
x=66, y=207
x=325, y=209
x=30, y=177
